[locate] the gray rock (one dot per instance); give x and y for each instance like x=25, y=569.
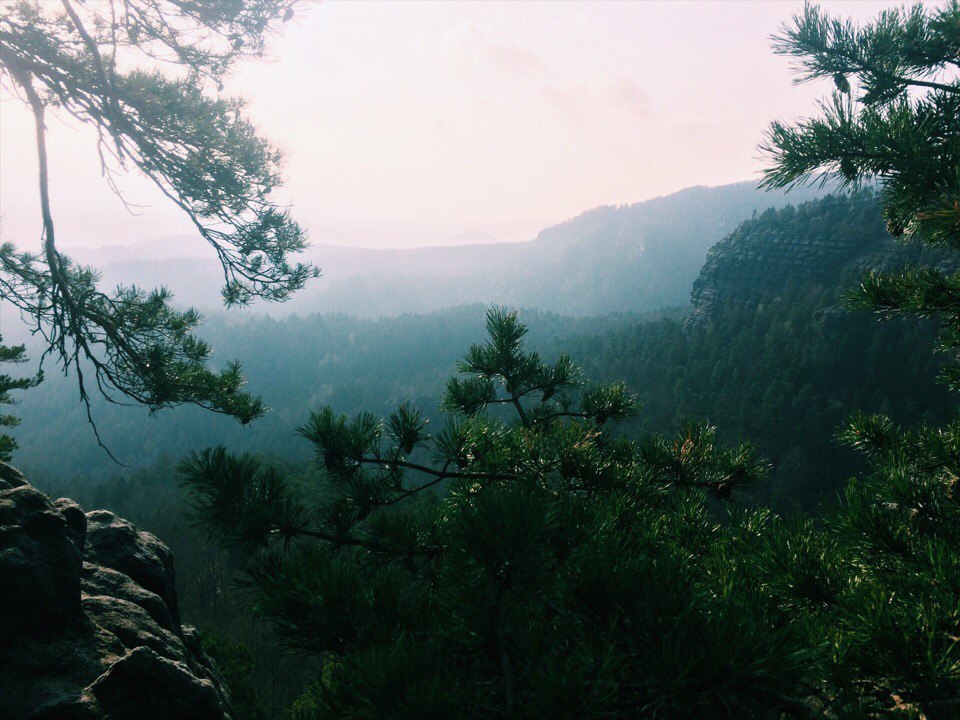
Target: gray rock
x=89, y=628
x=10, y=477
x=97, y=580
x=39, y=563
x=143, y=685
x=117, y=544
x=76, y=520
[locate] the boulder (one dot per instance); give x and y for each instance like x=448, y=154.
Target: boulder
x=40, y=563
x=89, y=626
x=148, y=686
x=114, y=543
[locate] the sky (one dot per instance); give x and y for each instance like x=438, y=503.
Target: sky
x=410, y=124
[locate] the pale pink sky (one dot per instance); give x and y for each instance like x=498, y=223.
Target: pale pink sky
x=410, y=123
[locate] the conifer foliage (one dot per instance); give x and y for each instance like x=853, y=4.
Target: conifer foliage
x=560, y=571
x=14, y=355
x=147, y=76
x=524, y=561
x=894, y=118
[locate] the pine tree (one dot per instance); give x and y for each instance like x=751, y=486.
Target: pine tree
x=559, y=571
x=14, y=355
x=895, y=118
x=86, y=61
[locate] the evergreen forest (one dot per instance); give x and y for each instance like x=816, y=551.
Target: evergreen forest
x=697, y=457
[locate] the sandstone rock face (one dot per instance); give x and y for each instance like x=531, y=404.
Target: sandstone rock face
x=825, y=244
x=89, y=627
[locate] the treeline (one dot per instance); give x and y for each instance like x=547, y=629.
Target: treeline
x=784, y=374
x=625, y=258
x=296, y=364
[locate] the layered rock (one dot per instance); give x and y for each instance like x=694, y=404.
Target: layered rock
x=89, y=626
x=823, y=244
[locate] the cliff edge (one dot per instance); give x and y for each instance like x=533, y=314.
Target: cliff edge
x=89, y=626
x=820, y=245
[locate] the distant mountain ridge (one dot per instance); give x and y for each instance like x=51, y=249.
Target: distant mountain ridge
x=799, y=256
x=610, y=259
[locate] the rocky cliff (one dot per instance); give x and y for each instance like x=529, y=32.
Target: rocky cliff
x=823, y=244
x=89, y=626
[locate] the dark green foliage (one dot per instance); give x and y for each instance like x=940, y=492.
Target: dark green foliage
x=881, y=582
x=13, y=355
x=770, y=356
x=895, y=617
x=235, y=662
x=563, y=571
x=85, y=60
x=298, y=364
x=897, y=122
x=784, y=373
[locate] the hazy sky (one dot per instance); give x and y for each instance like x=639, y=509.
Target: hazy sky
x=411, y=123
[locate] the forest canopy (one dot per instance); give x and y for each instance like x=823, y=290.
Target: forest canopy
x=516, y=517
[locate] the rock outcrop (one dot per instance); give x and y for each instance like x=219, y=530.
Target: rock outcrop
x=824, y=244
x=89, y=626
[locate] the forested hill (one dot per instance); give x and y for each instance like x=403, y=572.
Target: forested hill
x=610, y=259
x=297, y=364
x=767, y=367
x=823, y=245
